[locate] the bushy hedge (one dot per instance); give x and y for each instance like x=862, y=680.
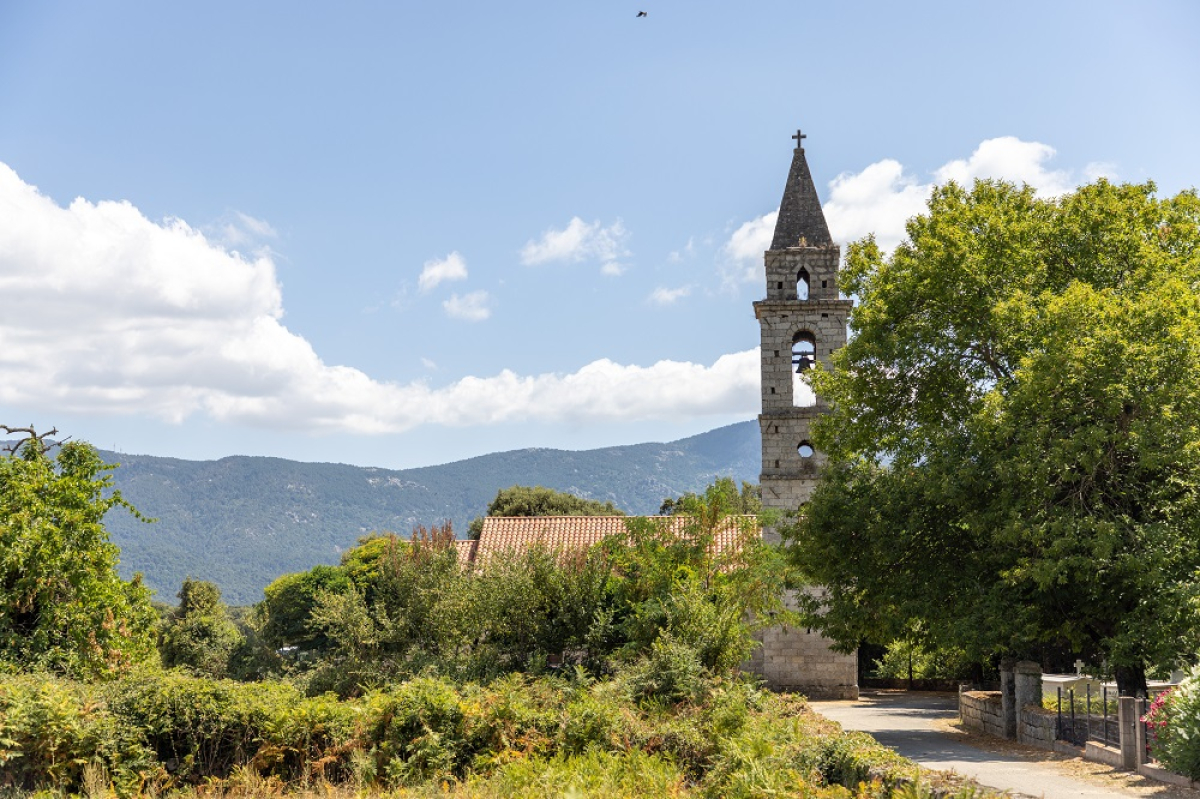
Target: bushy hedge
x=155, y=731
x=52, y=729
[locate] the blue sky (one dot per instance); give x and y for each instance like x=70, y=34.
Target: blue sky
x=400, y=234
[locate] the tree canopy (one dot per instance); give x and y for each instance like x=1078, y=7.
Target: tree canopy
x=541, y=501
x=1014, y=433
x=724, y=491
x=63, y=606
x=199, y=635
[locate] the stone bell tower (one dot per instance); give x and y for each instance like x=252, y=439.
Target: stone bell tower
x=803, y=320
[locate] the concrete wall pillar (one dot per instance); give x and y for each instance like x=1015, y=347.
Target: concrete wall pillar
x=1127, y=723
x=1009, y=709
x=1028, y=684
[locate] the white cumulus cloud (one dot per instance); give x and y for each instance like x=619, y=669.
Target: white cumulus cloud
x=745, y=248
x=439, y=270
x=881, y=198
x=473, y=307
x=580, y=241
x=878, y=200
x=666, y=296
x=108, y=312
x=1010, y=158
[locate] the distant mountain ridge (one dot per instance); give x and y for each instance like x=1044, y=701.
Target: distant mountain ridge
x=242, y=521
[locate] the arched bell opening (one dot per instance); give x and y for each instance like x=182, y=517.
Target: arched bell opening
x=804, y=356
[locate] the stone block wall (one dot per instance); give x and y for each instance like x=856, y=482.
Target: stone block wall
x=780, y=322
x=1037, y=727
x=781, y=434
x=796, y=659
x=784, y=265
x=981, y=711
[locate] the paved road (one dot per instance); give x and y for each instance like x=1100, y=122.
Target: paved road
x=906, y=722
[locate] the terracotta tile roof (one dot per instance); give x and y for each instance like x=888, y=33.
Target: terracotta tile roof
x=571, y=533
x=466, y=551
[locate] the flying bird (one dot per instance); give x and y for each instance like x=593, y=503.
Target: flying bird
x=641, y=13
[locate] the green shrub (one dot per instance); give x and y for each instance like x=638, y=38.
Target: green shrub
x=200, y=728
x=309, y=739
x=594, y=774
x=512, y=714
x=416, y=731
x=924, y=663
x=855, y=757
x=593, y=720
x=198, y=634
x=662, y=727
x=1174, y=723
x=52, y=730
x=670, y=672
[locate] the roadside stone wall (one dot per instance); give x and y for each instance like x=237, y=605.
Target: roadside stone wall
x=1037, y=727
x=981, y=711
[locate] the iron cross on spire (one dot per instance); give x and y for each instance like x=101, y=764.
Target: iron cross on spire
x=799, y=137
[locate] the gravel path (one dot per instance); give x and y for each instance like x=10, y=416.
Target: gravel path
x=923, y=727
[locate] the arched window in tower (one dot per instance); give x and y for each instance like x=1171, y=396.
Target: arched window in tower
x=802, y=284
x=804, y=356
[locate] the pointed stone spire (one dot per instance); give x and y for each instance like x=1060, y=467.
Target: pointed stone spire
x=800, y=215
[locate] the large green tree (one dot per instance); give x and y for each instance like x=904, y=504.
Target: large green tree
x=1015, y=430
x=199, y=635
x=63, y=607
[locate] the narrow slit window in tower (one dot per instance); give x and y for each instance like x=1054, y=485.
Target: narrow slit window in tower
x=802, y=284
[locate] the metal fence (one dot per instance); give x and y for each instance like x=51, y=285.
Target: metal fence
x=1097, y=721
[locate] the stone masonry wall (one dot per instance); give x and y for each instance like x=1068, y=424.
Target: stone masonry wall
x=796, y=659
x=780, y=322
x=1037, y=727
x=983, y=711
x=980, y=710
x=781, y=435
x=821, y=263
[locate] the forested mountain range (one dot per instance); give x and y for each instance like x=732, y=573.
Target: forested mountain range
x=243, y=521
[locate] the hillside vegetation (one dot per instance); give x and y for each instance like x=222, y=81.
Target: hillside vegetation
x=605, y=673
x=243, y=521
